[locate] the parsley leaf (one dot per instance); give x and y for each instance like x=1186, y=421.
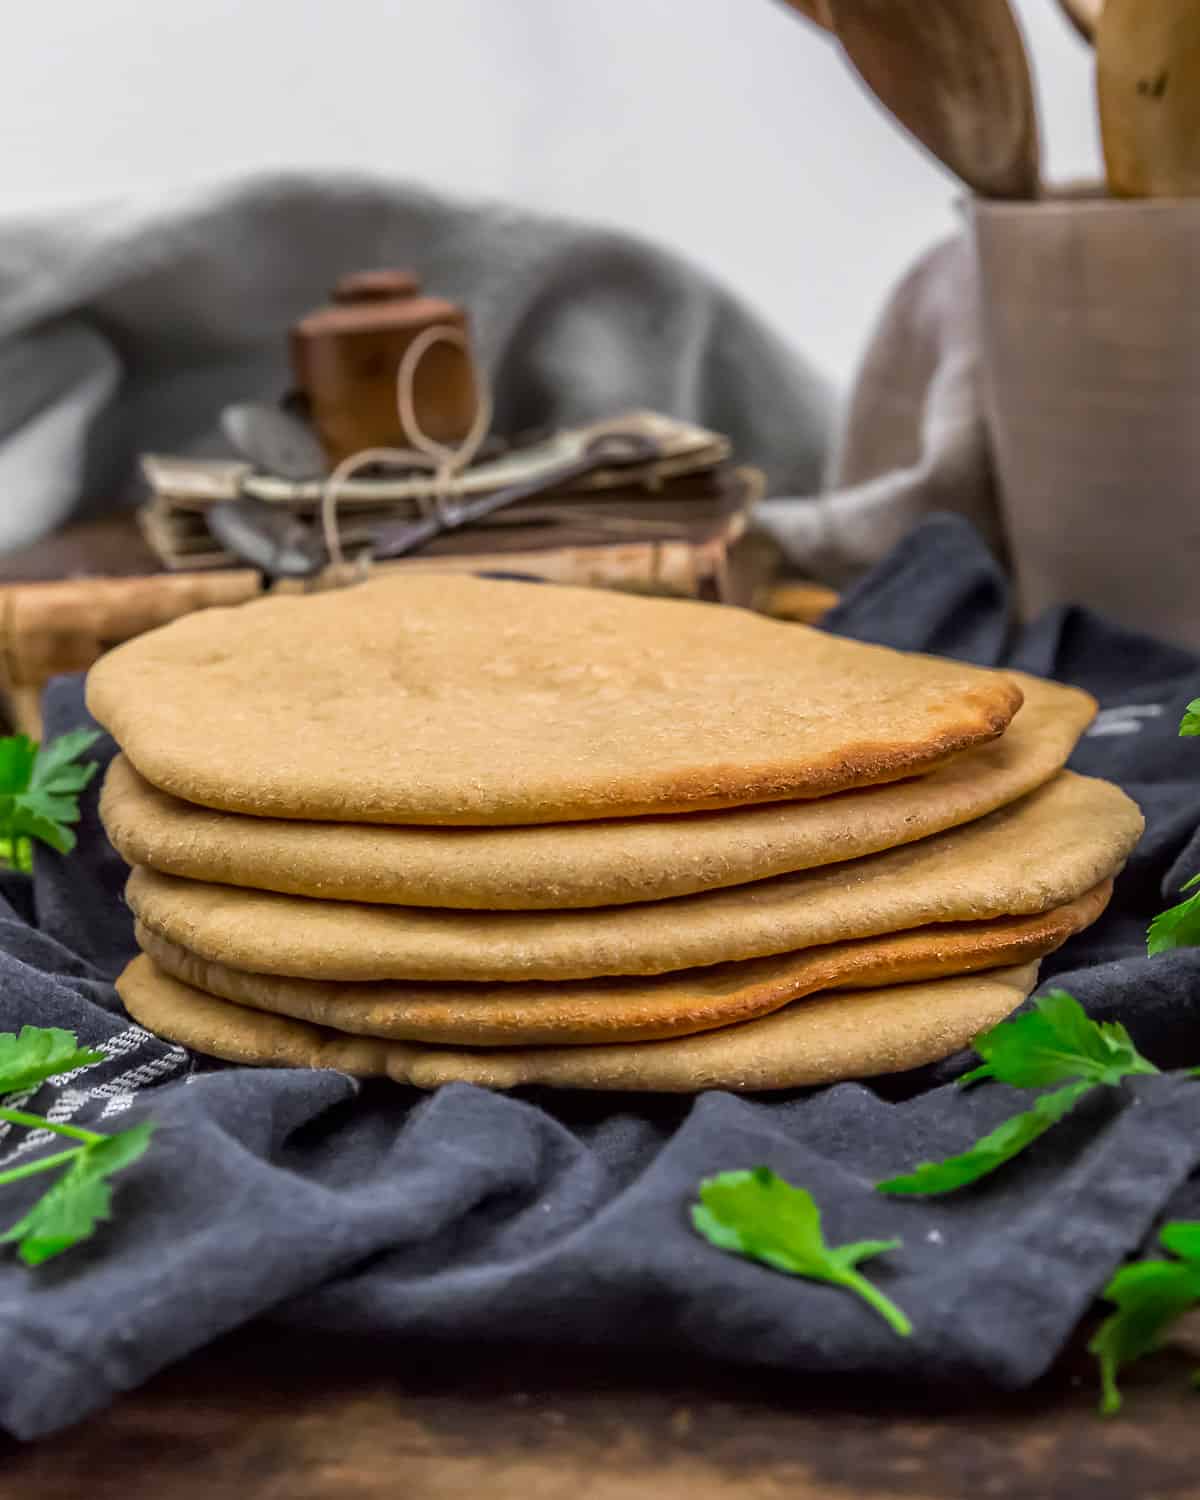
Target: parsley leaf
x=39, y=1053
x=79, y=1200
x=1056, y=1042
x=1149, y=1296
x=1182, y=1237
x=760, y=1216
x=17, y=755
x=991, y=1151
x=57, y=770
x=1178, y=926
x=39, y=792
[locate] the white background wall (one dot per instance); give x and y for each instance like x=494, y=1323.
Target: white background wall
x=727, y=128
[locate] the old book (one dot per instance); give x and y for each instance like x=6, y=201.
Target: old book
x=682, y=448
x=686, y=484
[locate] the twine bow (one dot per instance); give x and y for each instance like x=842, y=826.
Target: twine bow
x=446, y=462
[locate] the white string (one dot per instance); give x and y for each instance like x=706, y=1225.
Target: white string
x=446, y=462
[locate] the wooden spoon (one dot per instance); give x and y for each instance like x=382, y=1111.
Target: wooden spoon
x=1148, y=77
x=817, y=11
x=956, y=75
x=1084, y=15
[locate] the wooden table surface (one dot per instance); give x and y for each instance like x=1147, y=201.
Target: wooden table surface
x=269, y=1415
x=266, y=1415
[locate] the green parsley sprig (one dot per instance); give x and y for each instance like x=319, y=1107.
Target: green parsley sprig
x=1055, y=1043
x=39, y=793
x=1149, y=1296
x=930, y=1178
x=80, y=1199
x=760, y=1216
x=1179, y=926
x=1054, y=1046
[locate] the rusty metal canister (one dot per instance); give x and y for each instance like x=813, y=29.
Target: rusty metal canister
x=346, y=357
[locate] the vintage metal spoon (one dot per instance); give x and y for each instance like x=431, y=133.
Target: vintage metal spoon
x=605, y=451
x=956, y=75
x=280, y=544
x=274, y=440
x=266, y=537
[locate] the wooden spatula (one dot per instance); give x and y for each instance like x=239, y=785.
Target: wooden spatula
x=817, y=11
x=1148, y=77
x=1084, y=15
x=956, y=75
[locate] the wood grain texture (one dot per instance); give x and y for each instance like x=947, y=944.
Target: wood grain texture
x=1084, y=15
x=112, y=547
x=266, y=1415
x=956, y=76
x=66, y=625
x=817, y=11
x=1148, y=80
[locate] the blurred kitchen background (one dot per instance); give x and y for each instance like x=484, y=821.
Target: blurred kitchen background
x=723, y=128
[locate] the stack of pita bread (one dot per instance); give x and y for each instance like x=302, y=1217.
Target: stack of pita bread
x=464, y=829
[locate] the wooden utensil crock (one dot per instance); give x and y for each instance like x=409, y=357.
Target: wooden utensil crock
x=1090, y=338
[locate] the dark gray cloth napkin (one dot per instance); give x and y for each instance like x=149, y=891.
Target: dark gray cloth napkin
x=466, y=1216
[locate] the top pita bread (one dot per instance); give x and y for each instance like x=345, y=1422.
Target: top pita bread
x=566, y=865
x=441, y=700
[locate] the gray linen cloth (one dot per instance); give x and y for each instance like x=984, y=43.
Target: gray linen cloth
x=128, y=324
x=913, y=438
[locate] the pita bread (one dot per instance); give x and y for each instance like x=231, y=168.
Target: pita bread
x=457, y=700
x=855, y=1034
x=1042, y=852
x=625, y=1010
x=622, y=860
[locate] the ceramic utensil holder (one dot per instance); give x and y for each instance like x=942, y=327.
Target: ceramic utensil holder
x=1090, y=313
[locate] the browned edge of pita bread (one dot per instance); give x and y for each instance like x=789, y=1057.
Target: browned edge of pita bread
x=618, y=861
x=1045, y=851
x=463, y=701
x=851, y=1034
x=624, y=1010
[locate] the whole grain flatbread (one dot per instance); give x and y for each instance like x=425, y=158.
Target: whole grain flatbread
x=467, y=701
x=626, y=1010
x=1039, y=853
x=614, y=862
x=853, y=1034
